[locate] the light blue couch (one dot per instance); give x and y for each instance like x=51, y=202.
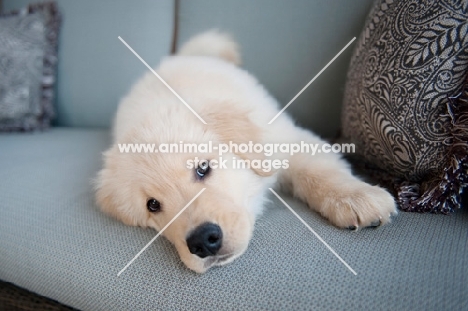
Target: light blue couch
x=55, y=242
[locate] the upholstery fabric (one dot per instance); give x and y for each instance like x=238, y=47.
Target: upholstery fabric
x=28, y=59
x=95, y=68
x=400, y=107
x=285, y=44
x=55, y=242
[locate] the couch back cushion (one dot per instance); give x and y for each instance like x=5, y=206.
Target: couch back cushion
x=285, y=44
x=95, y=69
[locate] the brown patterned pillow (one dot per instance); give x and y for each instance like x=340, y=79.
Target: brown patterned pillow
x=28, y=58
x=405, y=104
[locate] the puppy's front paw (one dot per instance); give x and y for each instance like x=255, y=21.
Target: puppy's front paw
x=358, y=206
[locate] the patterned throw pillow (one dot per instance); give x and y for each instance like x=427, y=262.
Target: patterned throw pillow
x=405, y=104
x=28, y=58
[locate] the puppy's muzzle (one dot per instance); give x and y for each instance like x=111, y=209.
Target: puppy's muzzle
x=205, y=240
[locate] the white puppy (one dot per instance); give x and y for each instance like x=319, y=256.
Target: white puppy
x=149, y=189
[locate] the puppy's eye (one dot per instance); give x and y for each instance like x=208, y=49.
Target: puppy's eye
x=153, y=205
x=203, y=168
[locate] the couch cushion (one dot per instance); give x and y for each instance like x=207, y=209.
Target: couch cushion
x=55, y=242
x=95, y=69
x=285, y=45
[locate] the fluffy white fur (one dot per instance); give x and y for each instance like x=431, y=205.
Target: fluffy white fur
x=236, y=108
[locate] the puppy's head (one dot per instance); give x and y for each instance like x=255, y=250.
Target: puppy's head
x=151, y=189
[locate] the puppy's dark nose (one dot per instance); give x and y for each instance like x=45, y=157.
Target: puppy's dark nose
x=205, y=240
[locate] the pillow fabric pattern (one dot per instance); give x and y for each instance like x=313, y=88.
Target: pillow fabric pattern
x=405, y=105
x=28, y=59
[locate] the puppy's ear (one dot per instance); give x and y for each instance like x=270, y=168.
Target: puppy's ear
x=115, y=195
x=236, y=127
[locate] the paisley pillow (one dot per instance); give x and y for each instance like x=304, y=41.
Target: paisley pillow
x=405, y=104
x=28, y=58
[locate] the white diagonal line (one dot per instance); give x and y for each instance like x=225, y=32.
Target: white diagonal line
x=316, y=235
x=161, y=79
x=313, y=79
x=159, y=233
